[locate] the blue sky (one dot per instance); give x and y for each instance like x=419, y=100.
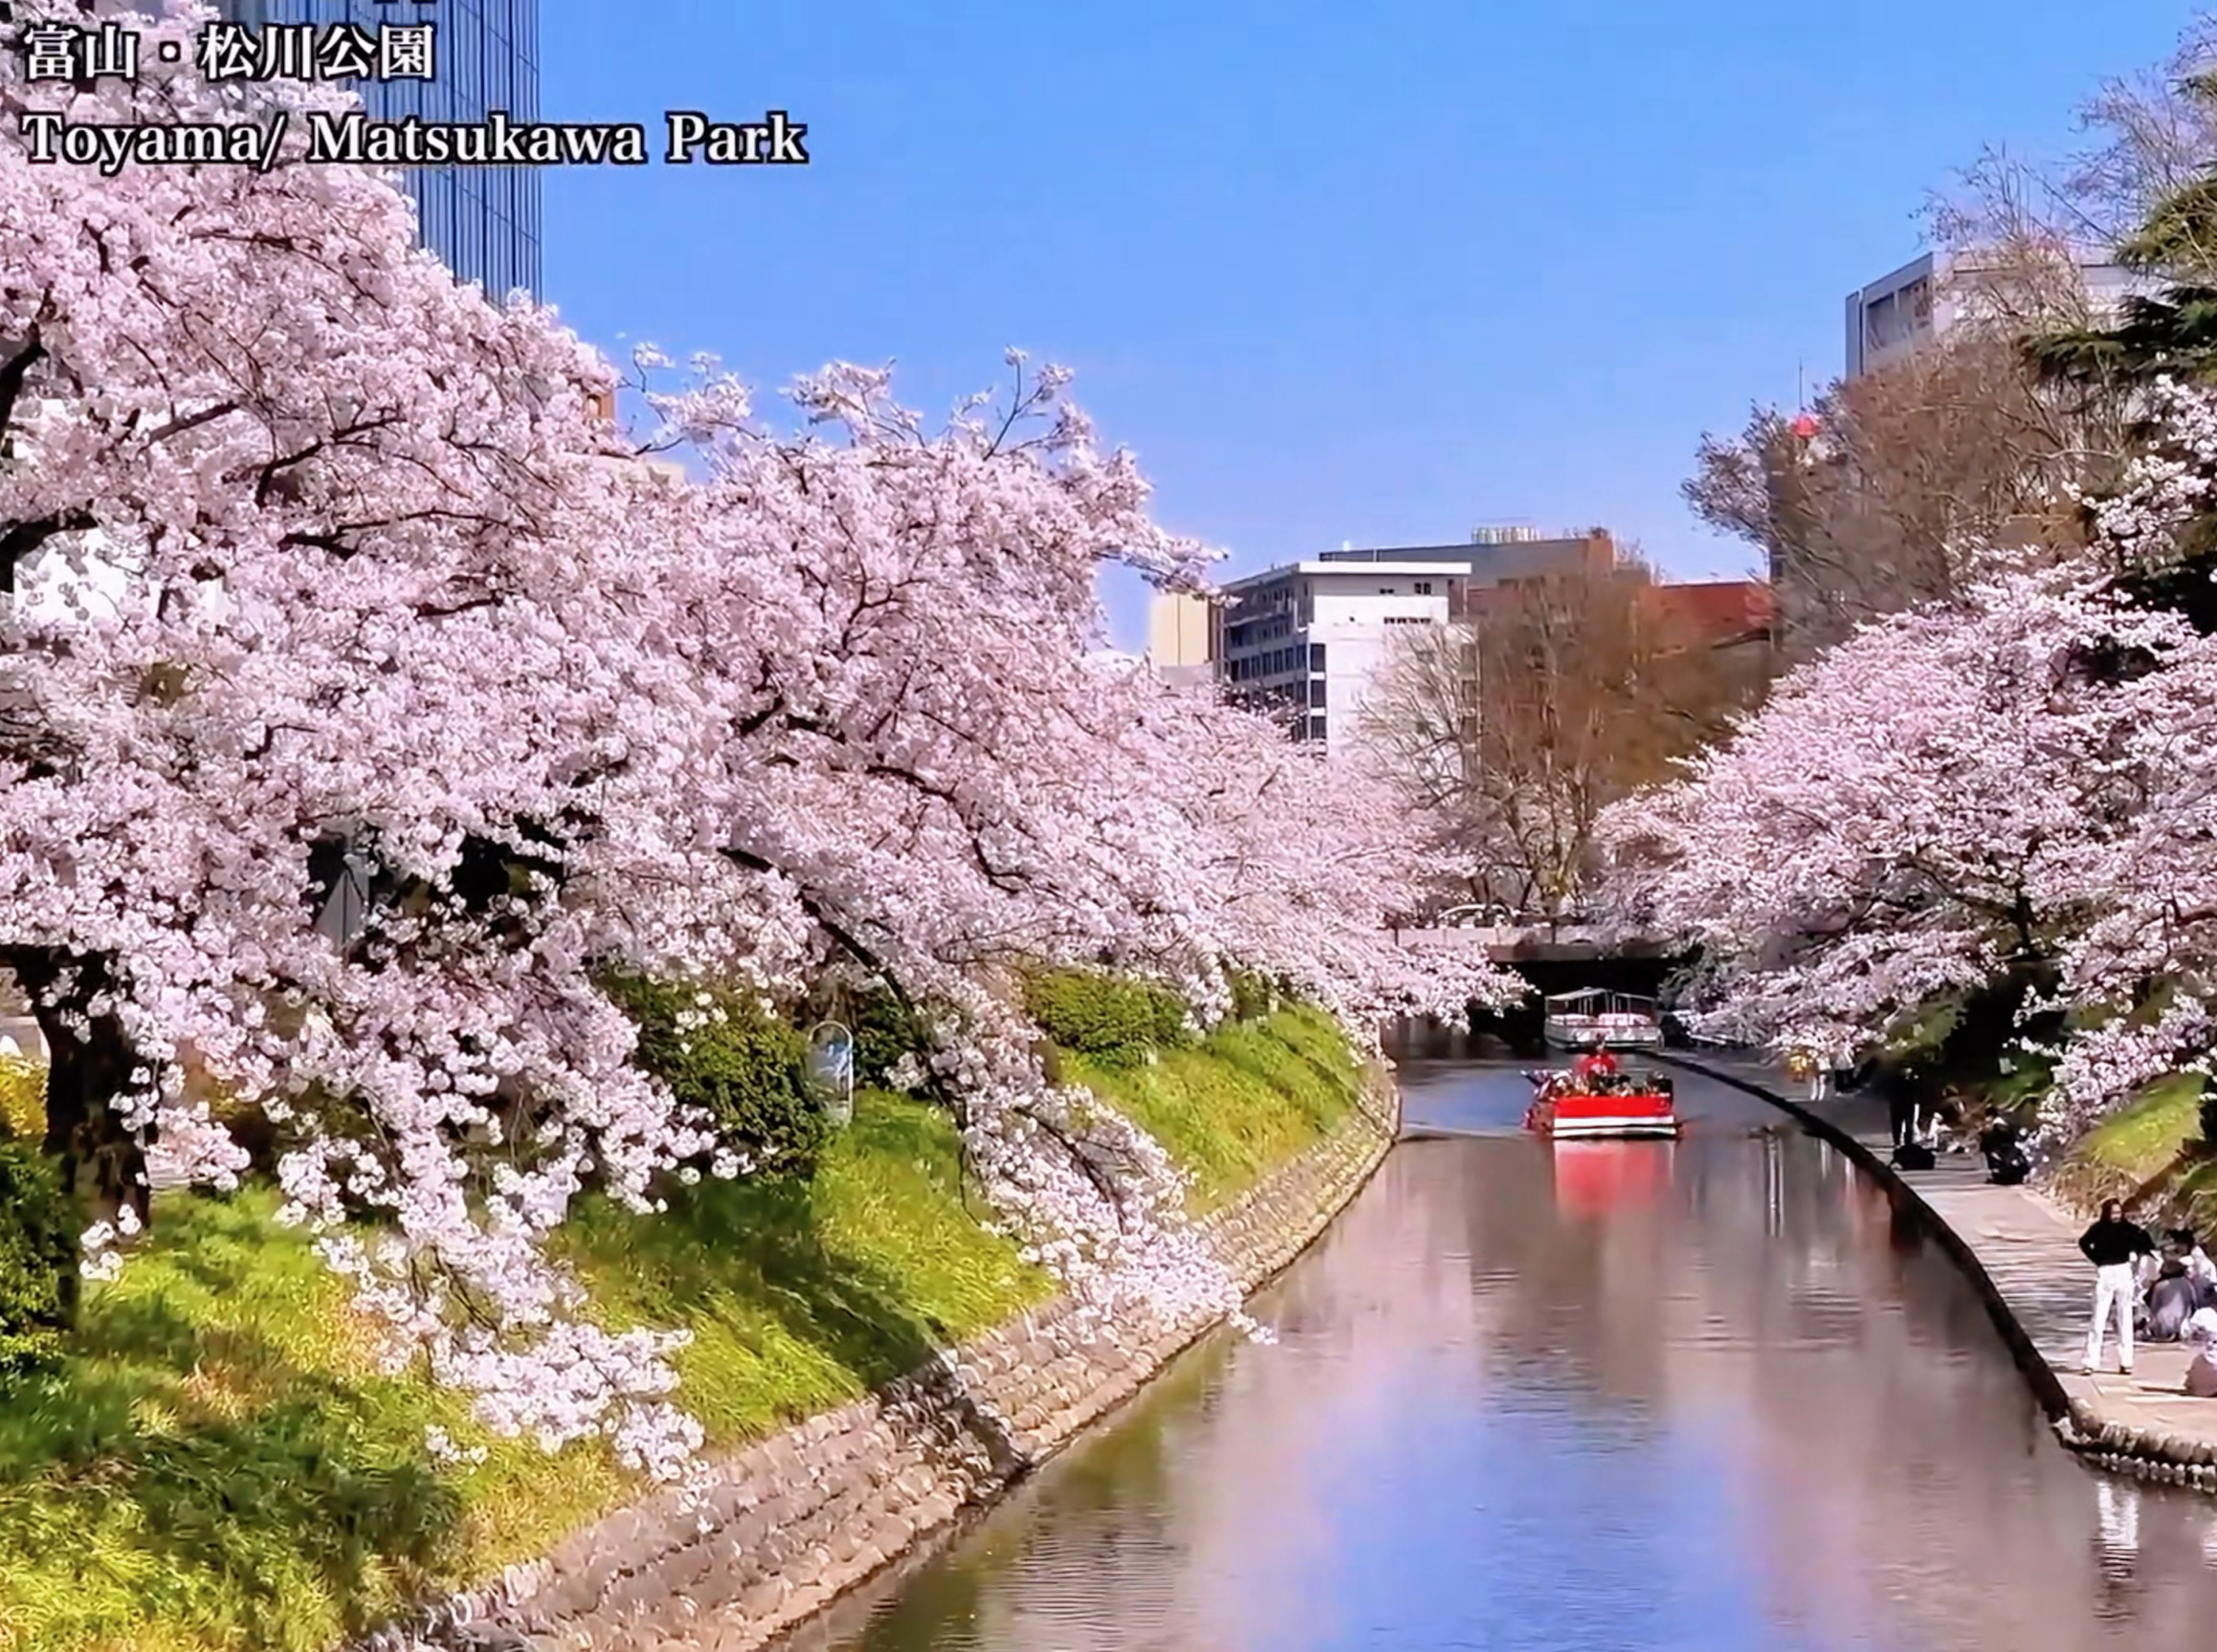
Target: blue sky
x=1378, y=272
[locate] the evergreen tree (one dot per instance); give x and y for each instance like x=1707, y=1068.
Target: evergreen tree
x=2171, y=332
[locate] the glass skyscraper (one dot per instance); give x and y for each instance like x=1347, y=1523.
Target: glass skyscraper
x=484, y=221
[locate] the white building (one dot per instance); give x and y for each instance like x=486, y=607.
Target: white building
x=1309, y=638
x=1900, y=314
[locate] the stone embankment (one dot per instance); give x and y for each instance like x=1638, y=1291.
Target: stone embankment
x=797, y=1519
x=2019, y=1251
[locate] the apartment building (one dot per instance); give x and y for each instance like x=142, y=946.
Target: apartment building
x=1308, y=638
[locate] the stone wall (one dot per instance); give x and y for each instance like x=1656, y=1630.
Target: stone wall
x=2106, y=1441
x=796, y=1519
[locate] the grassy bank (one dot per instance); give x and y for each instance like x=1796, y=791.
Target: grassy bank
x=219, y=1465
x=1238, y=1105
x=2147, y=1154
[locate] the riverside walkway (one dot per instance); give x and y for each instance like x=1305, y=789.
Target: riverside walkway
x=2023, y=1247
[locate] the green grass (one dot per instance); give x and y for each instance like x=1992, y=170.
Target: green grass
x=219, y=1465
x=2142, y=1154
x=1250, y=1097
x=2143, y=1137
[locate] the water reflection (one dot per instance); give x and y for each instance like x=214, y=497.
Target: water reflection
x=1649, y=1395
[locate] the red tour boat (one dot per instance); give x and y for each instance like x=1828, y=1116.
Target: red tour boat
x=1598, y=1098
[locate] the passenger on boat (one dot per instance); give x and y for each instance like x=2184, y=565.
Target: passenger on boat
x=1587, y=1069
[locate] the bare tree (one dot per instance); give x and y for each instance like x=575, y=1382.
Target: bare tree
x=2147, y=136
x=1906, y=482
x=1544, y=702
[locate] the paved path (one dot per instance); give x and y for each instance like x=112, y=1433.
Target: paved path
x=2027, y=1247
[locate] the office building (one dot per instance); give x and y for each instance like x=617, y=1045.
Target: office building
x=1901, y=313
x=483, y=221
x=1308, y=639
x=1500, y=556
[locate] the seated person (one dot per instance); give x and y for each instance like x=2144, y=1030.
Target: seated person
x=2202, y=1375
x=2003, y=1145
x=2201, y=1333
x=2172, y=1300
x=2198, y=1267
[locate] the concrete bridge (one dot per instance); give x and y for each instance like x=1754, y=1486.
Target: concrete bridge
x=1528, y=943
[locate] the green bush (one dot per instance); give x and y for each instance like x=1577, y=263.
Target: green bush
x=22, y=1098
x=1253, y=997
x=884, y=1031
x=37, y=1249
x=1109, y=1018
x=744, y=1067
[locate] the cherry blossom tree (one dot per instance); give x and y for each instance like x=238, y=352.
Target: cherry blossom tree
x=2011, y=787
x=394, y=601
x=1892, y=824
x=942, y=776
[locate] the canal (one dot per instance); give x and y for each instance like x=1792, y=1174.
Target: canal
x=1701, y=1396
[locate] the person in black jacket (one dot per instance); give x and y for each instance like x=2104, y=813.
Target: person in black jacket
x=2113, y=1245
x=1900, y=1086
x=2003, y=1146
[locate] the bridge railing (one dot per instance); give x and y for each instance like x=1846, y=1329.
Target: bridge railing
x=1463, y=938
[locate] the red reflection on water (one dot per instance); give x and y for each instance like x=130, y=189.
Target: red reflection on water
x=1596, y=1177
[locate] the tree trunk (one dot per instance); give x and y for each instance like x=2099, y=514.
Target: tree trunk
x=103, y=1166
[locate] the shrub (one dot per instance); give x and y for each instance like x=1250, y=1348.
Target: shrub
x=1253, y=997
x=744, y=1067
x=22, y=1098
x=1110, y=1018
x=884, y=1032
x=37, y=1250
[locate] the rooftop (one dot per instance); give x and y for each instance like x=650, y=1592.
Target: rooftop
x=1347, y=570
x=1721, y=605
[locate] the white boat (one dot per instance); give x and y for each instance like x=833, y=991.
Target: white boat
x=1594, y=1019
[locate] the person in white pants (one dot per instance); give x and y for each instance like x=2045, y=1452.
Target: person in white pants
x=2113, y=1245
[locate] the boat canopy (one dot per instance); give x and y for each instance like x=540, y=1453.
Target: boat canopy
x=1593, y=1001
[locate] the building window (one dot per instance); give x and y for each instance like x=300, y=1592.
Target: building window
x=1317, y=656
x=1317, y=726
x=1316, y=686
x=1424, y=587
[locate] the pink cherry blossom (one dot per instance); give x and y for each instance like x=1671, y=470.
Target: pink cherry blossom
x=379, y=584
x=1965, y=790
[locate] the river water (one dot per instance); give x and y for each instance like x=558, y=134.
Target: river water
x=1697, y=1396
